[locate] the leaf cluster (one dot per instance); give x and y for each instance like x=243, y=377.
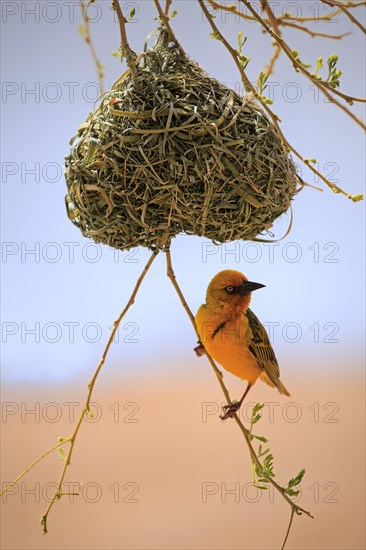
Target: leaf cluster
x=263, y=470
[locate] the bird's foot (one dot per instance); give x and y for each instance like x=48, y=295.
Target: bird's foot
x=200, y=349
x=230, y=410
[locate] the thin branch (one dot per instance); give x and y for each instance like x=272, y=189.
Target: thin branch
x=344, y=9
x=265, y=22
x=275, y=119
x=168, y=3
x=328, y=17
x=312, y=33
x=320, y=84
x=88, y=40
x=286, y=16
x=129, y=54
x=245, y=432
x=282, y=44
x=53, y=448
x=165, y=20
x=350, y=4
x=58, y=491
x=288, y=529
x=276, y=54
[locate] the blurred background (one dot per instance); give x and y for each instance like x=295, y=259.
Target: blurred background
x=157, y=467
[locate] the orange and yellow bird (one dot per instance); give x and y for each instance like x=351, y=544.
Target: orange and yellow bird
x=234, y=336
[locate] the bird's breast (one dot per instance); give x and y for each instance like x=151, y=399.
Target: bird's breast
x=227, y=342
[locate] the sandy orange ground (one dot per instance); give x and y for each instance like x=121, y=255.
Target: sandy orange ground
x=166, y=473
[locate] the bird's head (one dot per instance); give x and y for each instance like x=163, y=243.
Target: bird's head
x=231, y=288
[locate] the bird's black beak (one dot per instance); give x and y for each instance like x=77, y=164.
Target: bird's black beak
x=249, y=286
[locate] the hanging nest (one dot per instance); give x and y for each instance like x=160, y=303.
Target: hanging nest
x=176, y=151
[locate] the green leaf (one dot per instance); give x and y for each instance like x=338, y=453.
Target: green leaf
x=61, y=454
x=297, y=479
x=82, y=31
x=291, y=492
x=306, y=65
x=257, y=407
x=319, y=65
x=268, y=459
x=332, y=61
x=240, y=36
x=256, y=418
x=241, y=40
x=174, y=14
x=295, y=54
x=261, y=438
x=132, y=15
x=244, y=60
x=215, y=35
x=261, y=81
x=357, y=198
x=264, y=452
x=119, y=53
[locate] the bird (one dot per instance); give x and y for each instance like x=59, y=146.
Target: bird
x=233, y=335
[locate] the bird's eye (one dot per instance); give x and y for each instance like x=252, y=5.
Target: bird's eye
x=230, y=288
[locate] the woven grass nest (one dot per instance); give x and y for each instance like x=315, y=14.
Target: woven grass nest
x=176, y=152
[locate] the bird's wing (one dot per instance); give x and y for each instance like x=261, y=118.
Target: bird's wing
x=261, y=348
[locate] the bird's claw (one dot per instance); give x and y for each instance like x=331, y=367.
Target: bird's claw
x=200, y=349
x=230, y=410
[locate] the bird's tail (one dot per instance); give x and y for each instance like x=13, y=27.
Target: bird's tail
x=281, y=388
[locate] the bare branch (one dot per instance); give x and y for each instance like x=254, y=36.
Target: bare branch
x=58, y=491
x=168, y=3
x=88, y=40
x=53, y=448
x=288, y=528
x=320, y=84
x=312, y=33
x=271, y=64
x=350, y=16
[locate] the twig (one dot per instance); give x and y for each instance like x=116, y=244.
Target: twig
x=165, y=20
x=129, y=54
x=282, y=20
x=58, y=493
x=249, y=86
x=328, y=17
x=321, y=84
x=312, y=33
x=245, y=432
x=344, y=9
x=168, y=3
x=276, y=34
x=276, y=54
x=265, y=22
x=274, y=22
x=288, y=529
x=53, y=448
x=88, y=40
